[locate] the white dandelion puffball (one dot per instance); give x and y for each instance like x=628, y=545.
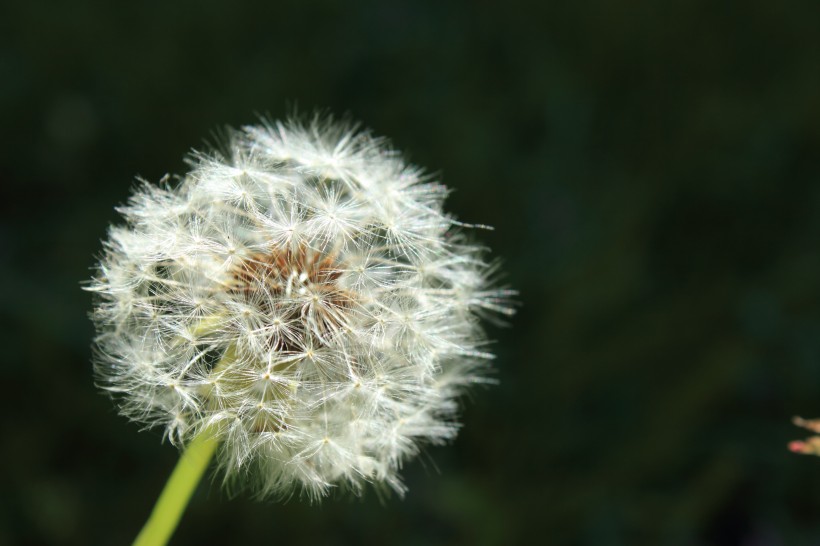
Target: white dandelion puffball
x=304, y=298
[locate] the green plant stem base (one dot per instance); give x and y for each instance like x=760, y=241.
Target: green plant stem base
x=181, y=485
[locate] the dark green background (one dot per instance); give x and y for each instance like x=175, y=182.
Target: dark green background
x=651, y=169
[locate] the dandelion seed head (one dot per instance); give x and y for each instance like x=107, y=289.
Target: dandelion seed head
x=305, y=297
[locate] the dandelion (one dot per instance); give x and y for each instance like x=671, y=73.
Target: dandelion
x=811, y=445
x=300, y=305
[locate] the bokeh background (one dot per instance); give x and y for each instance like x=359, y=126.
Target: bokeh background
x=652, y=172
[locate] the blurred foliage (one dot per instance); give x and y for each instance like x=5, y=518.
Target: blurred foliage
x=651, y=169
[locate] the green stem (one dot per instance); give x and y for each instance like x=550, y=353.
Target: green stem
x=181, y=485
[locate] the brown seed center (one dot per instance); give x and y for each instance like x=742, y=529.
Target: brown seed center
x=298, y=293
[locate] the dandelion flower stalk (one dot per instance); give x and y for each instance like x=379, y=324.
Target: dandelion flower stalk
x=303, y=300
x=181, y=485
